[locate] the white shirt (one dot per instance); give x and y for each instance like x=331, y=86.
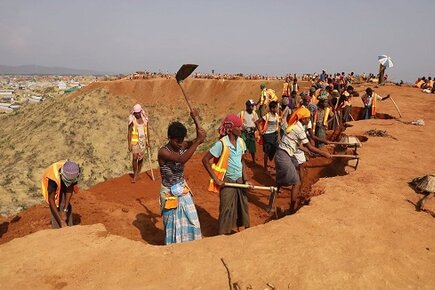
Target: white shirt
x=293, y=139
x=272, y=123
x=249, y=119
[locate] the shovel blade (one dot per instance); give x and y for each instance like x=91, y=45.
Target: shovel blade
x=185, y=71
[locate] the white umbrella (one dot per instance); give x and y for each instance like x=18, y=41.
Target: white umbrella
x=385, y=61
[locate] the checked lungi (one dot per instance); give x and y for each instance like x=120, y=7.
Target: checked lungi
x=181, y=224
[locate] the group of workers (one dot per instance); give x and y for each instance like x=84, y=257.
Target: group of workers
x=288, y=129
x=426, y=84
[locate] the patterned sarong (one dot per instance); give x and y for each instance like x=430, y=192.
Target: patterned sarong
x=181, y=224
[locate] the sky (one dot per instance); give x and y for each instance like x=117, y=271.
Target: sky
x=227, y=36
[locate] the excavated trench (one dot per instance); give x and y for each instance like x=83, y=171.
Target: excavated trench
x=208, y=204
x=132, y=211
x=320, y=167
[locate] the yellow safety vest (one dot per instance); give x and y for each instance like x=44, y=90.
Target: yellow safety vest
x=135, y=133
x=52, y=173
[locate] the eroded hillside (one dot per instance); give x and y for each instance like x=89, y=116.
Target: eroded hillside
x=90, y=127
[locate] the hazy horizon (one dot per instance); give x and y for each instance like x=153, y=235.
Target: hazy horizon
x=266, y=37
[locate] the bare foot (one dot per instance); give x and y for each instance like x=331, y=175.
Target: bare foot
x=134, y=179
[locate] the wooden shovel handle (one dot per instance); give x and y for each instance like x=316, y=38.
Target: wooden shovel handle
x=345, y=156
x=243, y=185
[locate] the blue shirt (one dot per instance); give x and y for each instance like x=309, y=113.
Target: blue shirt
x=234, y=170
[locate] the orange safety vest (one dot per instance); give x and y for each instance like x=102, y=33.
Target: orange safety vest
x=53, y=173
x=220, y=167
x=374, y=99
x=135, y=133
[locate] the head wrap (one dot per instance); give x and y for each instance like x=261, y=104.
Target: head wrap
x=296, y=116
x=228, y=123
x=263, y=86
x=137, y=109
x=69, y=173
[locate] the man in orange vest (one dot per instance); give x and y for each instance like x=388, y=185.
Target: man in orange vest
x=138, y=138
x=230, y=167
x=58, y=183
x=370, y=99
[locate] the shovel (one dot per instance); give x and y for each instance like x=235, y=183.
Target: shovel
x=347, y=156
x=395, y=105
x=151, y=166
x=344, y=156
x=341, y=143
x=185, y=71
x=243, y=185
x=273, y=192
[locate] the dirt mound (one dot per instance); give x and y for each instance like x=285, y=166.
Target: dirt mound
x=90, y=127
x=363, y=231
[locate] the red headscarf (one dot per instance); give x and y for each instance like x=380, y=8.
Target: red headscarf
x=228, y=123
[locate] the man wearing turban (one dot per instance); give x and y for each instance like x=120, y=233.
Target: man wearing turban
x=286, y=164
x=59, y=182
x=233, y=207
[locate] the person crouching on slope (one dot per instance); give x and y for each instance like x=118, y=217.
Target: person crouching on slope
x=230, y=167
x=285, y=160
x=180, y=218
x=138, y=138
x=59, y=182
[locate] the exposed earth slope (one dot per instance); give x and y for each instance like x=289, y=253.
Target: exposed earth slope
x=362, y=232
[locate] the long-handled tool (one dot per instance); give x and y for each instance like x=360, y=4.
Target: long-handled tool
x=341, y=143
x=244, y=185
x=347, y=156
x=185, y=71
x=273, y=193
x=149, y=161
x=344, y=156
x=395, y=105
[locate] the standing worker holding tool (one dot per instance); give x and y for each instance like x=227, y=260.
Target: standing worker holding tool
x=370, y=99
x=138, y=139
x=230, y=167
